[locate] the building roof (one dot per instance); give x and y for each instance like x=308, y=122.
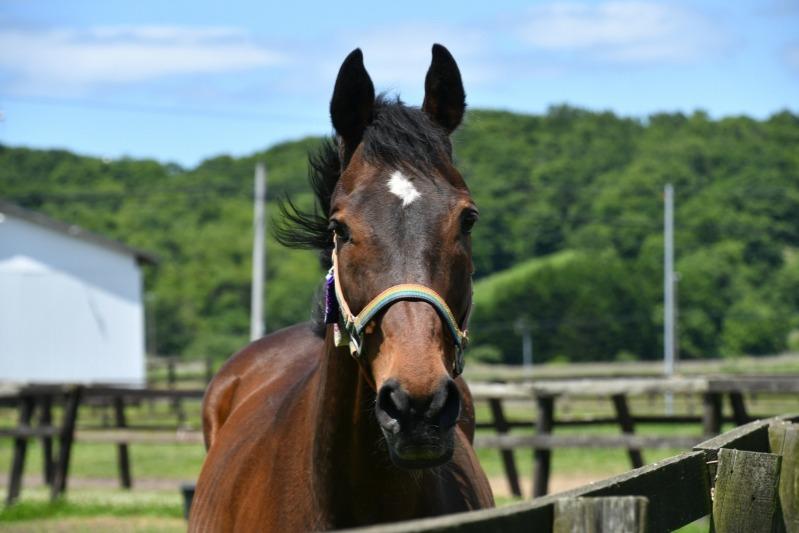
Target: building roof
x=72, y=230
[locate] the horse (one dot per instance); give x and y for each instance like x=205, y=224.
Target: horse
x=360, y=418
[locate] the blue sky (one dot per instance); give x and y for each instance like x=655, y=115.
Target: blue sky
x=181, y=81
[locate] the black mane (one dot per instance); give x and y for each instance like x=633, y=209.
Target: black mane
x=398, y=136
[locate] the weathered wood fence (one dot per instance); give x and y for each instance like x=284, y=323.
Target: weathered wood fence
x=171, y=370
x=745, y=480
x=544, y=396
x=43, y=398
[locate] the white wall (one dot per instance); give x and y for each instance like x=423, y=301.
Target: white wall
x=70, y=310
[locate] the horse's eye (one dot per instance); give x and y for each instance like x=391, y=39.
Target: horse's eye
x=468, y=219
x=341, y=230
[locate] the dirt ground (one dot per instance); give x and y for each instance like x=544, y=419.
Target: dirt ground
x=129, y=524
x=557, y=483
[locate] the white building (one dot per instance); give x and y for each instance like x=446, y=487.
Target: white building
x=70, y=303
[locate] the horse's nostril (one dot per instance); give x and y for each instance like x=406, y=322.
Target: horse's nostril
x=396, y=410
x=446, y=405
x=393, y=405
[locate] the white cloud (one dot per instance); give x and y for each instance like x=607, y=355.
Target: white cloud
x=167, y=33
x=57, y=61
x=623, y=31
x=790, y=56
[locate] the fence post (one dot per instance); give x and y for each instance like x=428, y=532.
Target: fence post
x=508, y=459
x=608, y=514
x=26, y=406
x=59, y=485
x=172, y=380
x=627, y=427
x=784, y=440
x=171, y=376
x=746, y=493
x=542, y=456
x=711, y=415
x=123, y=459
x=46, y=421
x=739, y=413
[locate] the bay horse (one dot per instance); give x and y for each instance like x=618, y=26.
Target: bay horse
x=360, y=418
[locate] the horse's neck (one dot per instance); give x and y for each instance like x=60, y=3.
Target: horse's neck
x=350, y=464
x=343, y=423
x=339, y=416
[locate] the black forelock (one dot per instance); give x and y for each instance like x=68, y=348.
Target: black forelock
x=404, y=137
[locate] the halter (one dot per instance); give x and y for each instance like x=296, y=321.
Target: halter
x=348, y=328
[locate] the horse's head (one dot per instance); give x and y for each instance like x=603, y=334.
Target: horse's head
x=402, y=214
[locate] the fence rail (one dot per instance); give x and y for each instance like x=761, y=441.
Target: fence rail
x=677, y=491
x=173, y=370
x=546, y=395
x=43, y=398
x=540, y=399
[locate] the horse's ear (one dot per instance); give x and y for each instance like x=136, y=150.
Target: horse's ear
x=353, y=101
x=444, y=98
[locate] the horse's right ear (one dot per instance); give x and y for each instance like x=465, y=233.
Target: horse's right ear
x=353, y=102
x=444, y=98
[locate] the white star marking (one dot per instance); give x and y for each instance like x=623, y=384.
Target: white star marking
x=402, y=187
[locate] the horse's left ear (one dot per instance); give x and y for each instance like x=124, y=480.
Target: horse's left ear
x=444, y=98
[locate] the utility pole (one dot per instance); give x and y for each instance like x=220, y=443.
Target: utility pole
x=257, y=319
x=668, y=289
x=527, y=347
x=522, y=327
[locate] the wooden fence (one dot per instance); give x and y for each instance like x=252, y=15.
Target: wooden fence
x=173, y=370
x=745, y=480
x=43, y=398
x=544, y=397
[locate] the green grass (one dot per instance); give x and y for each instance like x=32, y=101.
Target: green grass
x=99, y=460
x=180, y=461
x=87, y=509
x=700, y=526
x=93, y=460
x=92, y=503
x=602, y=462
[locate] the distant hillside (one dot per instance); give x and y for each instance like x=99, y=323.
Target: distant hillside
x=570, y=180
x=578, y=305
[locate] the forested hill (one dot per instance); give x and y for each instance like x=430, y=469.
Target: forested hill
x=569, y=235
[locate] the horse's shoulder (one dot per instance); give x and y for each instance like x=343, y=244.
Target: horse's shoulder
x=257, y=444
x=469, y=484
x=272, y=362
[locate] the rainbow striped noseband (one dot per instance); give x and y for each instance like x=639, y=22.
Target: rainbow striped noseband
x=349, y=327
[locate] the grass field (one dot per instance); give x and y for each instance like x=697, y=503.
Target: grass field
x=95, y=503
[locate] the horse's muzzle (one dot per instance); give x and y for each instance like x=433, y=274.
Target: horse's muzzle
x=419, y=431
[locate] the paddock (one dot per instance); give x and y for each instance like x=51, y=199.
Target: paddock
x=744, y=479
x=512, y=418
